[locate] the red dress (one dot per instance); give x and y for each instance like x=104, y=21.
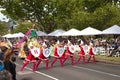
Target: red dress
x=56, y=53
x=91, y=52
x=81, y=51
x=41, y=56
x=56, y=57
x=30, y=57
x=68, y=52
x=81, y=55
x=91, y=55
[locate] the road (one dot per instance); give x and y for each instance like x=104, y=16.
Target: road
x=99, y=71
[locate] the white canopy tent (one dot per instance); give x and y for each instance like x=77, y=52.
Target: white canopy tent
x=8, y=35
x=90, y=31
x=40, y=33
x=115, y=29
x=71, y=32
x=20, y=34
x=56, y=33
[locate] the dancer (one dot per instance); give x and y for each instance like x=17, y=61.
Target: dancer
x=43, y=56
x=69, y=52
x=58, y=53
x=91, y=54
x=32, y=55
x=81, y=53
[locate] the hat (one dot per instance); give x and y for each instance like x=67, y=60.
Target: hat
x=91, y=44
x=81, y=43
x=69, y=42
x=58, y=42
x=44, y=44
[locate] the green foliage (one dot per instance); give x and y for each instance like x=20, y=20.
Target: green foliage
x=22, y=27
x=64, y=14
x=3, y=28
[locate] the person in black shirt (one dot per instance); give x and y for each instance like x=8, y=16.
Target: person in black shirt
x=9, y=64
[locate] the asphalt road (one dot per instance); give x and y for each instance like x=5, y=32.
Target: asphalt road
x=98, y=71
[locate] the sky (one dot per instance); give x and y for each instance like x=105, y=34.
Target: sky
x=3, y=17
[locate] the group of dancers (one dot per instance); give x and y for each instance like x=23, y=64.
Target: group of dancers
x=61, y=51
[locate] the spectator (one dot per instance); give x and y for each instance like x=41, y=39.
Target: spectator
x=9, y=64
x=115, y=48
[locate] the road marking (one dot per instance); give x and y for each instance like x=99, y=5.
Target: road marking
x=40, y=73
x=97, y=71
x=24, y=72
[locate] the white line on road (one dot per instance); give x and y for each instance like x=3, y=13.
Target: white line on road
x=25, y=72
x=40, y=73
x=97, y=71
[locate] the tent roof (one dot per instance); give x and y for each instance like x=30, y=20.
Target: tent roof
x=56, y=33
x=20, y=34
x=40, y=33
x=115, y=29
x=71, y=32
x=90, y=31
x=7, y=35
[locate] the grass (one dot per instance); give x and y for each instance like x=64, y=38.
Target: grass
x=116, y=59
x=104, y=58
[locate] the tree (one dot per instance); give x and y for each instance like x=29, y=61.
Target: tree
x=64, y=14
x=23, y=27
x=3, y=28
x=34, y=10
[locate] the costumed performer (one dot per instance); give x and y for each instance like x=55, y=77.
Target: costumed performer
x=32, y=54
x=81, y=53
x=91, y=54
x=69, y=52
x=59, y=53
x=42, y=56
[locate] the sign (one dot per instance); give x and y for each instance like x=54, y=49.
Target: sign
x=77, y=49
x=72, y=49
x=60, y=51
x=35, y=51
x=46, y=52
